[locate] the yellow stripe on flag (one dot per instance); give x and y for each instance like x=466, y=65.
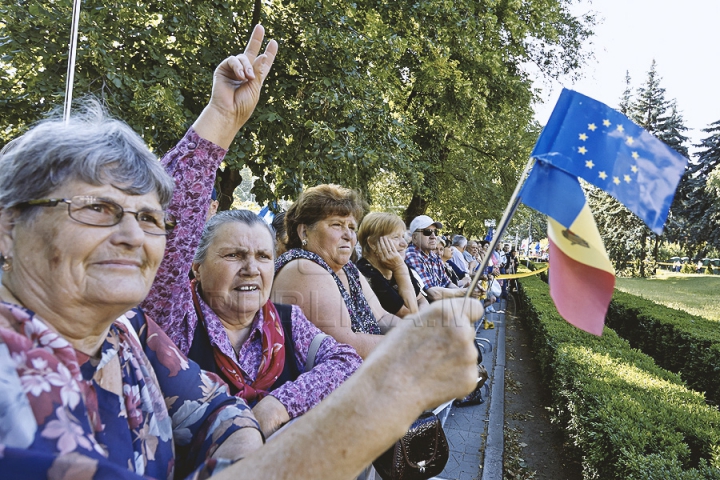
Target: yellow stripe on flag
x=581, y=241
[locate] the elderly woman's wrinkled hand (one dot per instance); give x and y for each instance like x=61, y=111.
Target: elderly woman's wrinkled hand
x=236, y=90
x=435, y=350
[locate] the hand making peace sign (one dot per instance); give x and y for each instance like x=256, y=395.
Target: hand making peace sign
x=236, y=90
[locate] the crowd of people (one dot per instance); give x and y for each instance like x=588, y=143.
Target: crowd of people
x=174, y=342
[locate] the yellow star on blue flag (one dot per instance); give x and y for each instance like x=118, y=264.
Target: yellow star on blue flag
x=636, y=168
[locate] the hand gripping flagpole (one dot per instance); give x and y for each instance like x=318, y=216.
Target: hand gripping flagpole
x=504, y=222
x=70, y=77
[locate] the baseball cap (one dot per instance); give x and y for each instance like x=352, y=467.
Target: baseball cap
x=423, y=221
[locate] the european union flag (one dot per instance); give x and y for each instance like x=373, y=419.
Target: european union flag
x=592, y=141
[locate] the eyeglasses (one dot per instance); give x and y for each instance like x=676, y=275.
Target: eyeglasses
x=101, y=212
x=428, y=232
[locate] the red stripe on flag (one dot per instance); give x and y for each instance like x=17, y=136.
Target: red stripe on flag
x=581, y=293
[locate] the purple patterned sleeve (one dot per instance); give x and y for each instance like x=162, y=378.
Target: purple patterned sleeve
x=192, y=163
x=334, y=363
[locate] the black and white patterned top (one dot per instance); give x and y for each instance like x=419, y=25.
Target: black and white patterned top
x=361, y=316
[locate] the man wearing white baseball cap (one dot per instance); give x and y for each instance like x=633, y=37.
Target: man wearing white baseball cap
x=420, y=256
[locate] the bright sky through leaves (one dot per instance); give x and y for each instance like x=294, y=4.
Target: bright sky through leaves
x=681, y=37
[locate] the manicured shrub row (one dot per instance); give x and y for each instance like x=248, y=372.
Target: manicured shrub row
x=625, y=417
x=678, y=341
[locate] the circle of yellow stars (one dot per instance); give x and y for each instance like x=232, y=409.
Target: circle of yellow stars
x=590, y=164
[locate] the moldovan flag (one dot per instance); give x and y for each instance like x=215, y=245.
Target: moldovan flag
x=587, y=139
x=582, y=279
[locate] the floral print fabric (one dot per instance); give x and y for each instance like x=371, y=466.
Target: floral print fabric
x=120, y=415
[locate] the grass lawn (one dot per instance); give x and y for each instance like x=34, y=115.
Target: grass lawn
x=694, y=293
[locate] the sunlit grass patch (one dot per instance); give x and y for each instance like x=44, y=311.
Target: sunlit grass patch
x=697, y=294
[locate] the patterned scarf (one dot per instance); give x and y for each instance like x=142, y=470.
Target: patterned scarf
x=273, y=354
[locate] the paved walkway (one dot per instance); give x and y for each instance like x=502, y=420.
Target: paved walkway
x=475, y=433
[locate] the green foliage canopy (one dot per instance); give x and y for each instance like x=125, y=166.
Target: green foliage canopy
x=432, y=92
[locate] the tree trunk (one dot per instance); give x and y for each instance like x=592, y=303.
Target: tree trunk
x=417, y=206
x=257, y=9
x=656, y=248
x=229, y=180
x=643, y=254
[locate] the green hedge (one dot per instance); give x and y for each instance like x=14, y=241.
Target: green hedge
x=677, y=341
x=626, y=417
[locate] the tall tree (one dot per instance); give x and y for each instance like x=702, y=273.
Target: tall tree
x=697, y=202
x=626, y=98
x=432, y=92
x=466, y=92
x=627, y=238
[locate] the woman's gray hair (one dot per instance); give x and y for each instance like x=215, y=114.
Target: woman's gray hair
x=459, y=241
x=91, y=147
x=246, y=217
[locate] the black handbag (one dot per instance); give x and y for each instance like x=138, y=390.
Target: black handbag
x=419, y=455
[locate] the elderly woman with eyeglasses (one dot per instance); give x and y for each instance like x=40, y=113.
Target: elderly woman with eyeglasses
x=92, y=387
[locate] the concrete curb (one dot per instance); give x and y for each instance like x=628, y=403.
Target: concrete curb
x=494, y=446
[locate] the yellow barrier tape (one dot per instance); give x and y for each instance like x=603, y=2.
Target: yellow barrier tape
x=505, y=276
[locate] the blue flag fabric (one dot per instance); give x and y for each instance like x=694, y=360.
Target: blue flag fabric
x=553, y=192
x=267, y=215
x=592, y=141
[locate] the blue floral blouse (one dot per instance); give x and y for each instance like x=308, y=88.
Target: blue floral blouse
x=140, y=409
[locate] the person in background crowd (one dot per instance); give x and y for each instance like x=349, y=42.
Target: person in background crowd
x=381, y=236
x=471, y=256
x=317, y=274
x=504, y=267
x=457, y=260
x=421, y=257
x=214, y=204
x=494, y=290
x=278, y=224
x=512, y=268
x=445, y=251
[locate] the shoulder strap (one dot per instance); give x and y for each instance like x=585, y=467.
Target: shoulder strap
x=285, y=312
x=312, y=351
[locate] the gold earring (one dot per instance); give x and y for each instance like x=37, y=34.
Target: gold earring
x=7, y=264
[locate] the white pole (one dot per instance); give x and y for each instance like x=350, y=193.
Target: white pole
x=72, y=52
